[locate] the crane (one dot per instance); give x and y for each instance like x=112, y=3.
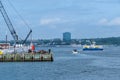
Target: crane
x=10, y=26
x=8, y=22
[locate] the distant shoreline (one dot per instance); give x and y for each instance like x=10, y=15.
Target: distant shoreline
x=99, y=41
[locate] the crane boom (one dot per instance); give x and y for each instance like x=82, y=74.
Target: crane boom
x=27, y=37
x=8, y=22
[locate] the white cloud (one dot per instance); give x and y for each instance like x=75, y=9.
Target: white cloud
x=113, y=22
x=48, y=21
x=103, y=21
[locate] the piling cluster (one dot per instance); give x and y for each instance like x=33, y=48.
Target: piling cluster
x=27, y=57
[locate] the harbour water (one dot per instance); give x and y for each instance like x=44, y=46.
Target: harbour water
x=88, y=65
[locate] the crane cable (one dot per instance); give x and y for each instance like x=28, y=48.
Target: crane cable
x=19, y=14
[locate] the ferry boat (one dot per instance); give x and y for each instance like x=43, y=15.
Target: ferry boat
x=92, y=47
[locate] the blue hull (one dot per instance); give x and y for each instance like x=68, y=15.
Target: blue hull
x=92, y=49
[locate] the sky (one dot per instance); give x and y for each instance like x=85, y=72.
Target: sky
x=51, y=18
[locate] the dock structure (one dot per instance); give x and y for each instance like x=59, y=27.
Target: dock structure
x=26, y=57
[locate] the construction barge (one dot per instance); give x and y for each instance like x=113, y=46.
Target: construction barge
x=26, y=57
x=21, y=53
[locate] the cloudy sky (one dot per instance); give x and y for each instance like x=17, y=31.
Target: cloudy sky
x=50, y=18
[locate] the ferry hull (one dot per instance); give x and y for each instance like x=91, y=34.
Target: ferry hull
x=92, y=49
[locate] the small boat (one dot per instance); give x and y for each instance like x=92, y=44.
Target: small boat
x=92, y=47
x=75, y=51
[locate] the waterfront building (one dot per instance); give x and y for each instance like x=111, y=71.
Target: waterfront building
x=67, y=37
